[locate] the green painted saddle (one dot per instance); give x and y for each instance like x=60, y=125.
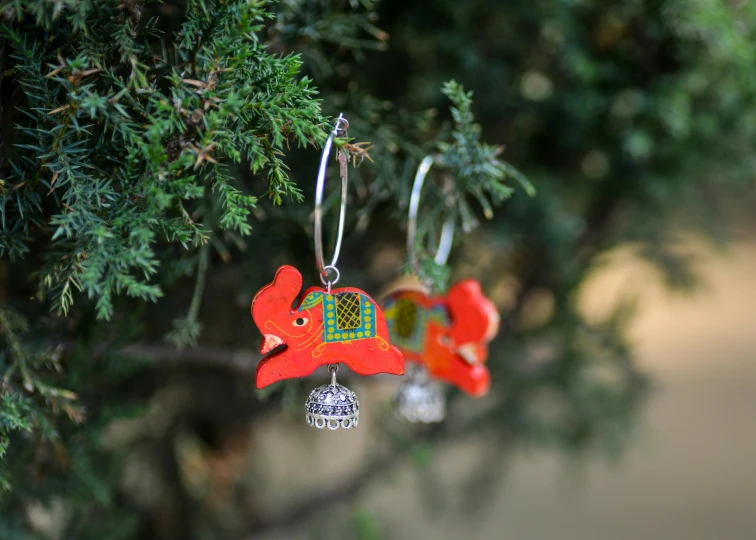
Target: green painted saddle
x=347, y=316
x=407, y=322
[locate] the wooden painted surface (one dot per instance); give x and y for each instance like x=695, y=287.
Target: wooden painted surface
x=343, y=326
x=448, y=334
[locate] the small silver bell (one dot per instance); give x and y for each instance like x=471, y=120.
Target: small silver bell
x=419, y=399
x=332, y=405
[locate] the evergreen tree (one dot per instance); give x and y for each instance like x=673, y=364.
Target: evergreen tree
x=157, y=165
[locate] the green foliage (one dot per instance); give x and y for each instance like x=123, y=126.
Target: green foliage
x=152, y=156
x=474, y=165
x=119, y=150
x=366, y=526
x=27, y=402
x=470, y=168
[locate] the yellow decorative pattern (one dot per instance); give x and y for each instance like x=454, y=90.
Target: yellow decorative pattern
x=347, y=311
x=311, y=300
x=347, y=316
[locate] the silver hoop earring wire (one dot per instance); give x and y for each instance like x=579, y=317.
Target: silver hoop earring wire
x=447, y=232
x=340, y=128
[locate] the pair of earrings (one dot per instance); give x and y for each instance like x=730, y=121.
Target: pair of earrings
x=445, y=335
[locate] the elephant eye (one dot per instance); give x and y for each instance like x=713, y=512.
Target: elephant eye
x=301, y=321
x=446, y=341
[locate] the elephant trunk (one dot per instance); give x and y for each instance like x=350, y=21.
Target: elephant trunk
x=274, y=301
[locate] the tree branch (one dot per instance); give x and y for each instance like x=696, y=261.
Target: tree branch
x=315, y=502
x=240, y=360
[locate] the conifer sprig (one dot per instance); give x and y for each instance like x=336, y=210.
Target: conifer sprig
x=474, y=165
x=121, y=154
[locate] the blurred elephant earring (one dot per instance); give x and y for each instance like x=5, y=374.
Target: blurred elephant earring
x=445, y=336
x=327, y=327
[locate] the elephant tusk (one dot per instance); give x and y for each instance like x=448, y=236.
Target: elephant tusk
x=269, y=343
x=469, y=352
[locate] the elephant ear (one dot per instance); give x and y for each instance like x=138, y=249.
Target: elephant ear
x=277, y=296
x=474, y=317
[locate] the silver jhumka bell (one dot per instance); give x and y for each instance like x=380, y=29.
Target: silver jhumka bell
x=419, y=399
x=332, y=405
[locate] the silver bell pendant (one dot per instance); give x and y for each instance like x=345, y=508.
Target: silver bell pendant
x=419, y=399
x=332, y=405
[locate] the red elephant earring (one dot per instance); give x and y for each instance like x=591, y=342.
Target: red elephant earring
x=445, y=336
x=327, y=326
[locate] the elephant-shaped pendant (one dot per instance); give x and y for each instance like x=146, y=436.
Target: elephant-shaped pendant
x=447, y=334
x=341, y=326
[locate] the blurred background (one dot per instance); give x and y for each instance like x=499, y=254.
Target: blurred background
x=686, y=472
x=623, y=375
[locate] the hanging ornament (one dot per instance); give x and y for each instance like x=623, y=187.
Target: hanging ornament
x=446, y=335
x=327, y=327
x=419, y=398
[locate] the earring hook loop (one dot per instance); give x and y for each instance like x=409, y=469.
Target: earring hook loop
x=340, y=128
x=447, y=232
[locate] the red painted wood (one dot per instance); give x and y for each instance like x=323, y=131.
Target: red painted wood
x=305, y=349
x=455, y=352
